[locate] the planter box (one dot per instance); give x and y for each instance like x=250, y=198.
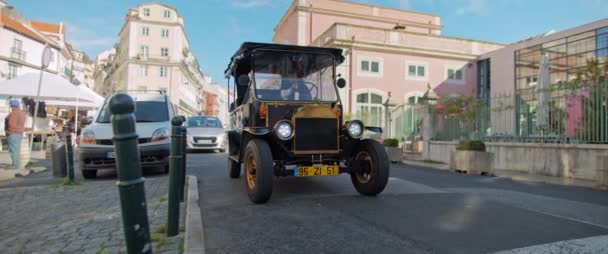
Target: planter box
x=394, y=154
x=472, y=162
x=602, y=173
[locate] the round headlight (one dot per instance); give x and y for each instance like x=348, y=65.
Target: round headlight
x=355, y=129
x=284, y=130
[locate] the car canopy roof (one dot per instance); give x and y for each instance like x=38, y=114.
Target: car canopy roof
x=241, y=60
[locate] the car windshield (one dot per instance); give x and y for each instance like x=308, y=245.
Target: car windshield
x=294, y=76
x=145, y=111
x=204, y=121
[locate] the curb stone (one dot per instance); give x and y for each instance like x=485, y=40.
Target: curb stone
x=193, y=238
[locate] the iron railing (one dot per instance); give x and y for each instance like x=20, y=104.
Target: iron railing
x=559, y=114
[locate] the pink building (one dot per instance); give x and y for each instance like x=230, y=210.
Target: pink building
x=386, y=50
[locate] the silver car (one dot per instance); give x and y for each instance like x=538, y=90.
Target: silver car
x=205, y=133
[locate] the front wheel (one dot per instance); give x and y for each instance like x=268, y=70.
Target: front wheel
x=258, y=171
x=89, y=174
x=372, y=177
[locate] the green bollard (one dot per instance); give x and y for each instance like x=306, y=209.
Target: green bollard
x=69, y=156
x=130, y=180
x=175, y=160
x=182, y=182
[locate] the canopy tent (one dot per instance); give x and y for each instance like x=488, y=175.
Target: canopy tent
x=54, y=87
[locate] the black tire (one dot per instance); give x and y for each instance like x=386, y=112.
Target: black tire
x=372, y=182
x=258, y=171
x=222, y=150
x=166, y=169
x=89, y=174
x=234, y=169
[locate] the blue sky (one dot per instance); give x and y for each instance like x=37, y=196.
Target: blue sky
x=217, y=27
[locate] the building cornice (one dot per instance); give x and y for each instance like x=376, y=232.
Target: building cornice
x=384, y=48
x=19, y=62
x=295, y=7
x=136, y=20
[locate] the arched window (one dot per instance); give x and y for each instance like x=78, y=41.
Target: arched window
x=369, y=109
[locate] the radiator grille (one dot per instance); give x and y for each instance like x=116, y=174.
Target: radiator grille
x=316, y=134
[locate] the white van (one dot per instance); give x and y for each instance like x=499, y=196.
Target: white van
x=153, y=114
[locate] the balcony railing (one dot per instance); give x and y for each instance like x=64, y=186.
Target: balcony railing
x=395, y=38
x=158, y=58
x=19, y=54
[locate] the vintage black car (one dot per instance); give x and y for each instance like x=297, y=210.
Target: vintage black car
x=287, y=120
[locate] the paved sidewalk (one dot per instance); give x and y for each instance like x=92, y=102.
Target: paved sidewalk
x=516, y=175
x=77, y=219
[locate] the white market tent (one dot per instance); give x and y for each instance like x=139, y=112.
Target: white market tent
x=54, y=88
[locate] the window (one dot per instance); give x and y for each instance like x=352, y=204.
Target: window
x=164, y=32
x=17, y=45
x=163, y=71
x=145, y=31
x=144, y=70
x=416, y=71
x=147, y=12
x=369, y=66
x=164, y=51
x=369, y=109
x=12, y=71
x=167, y=14
x=144, y=51
x=147, y=112
x=455, y=73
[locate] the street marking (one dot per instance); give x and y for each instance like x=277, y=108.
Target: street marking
x=590, y=245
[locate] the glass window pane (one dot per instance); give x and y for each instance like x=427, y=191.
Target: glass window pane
x=375, y=67
x=602, y=54
x=602, y=41
x=581, y=46
x=603, y=30
x=421, y=71
x=450, y=73
x=376, y=99
x=459, y=75
x=554, y=43
x=362, y=98
x=365, y=65
x=411, y=70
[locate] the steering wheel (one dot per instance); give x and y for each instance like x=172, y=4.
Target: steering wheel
x=312, y=86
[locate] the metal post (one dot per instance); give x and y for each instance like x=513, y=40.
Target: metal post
x=69, y=156
x=182, y=182
x=175, y=159
x=130, y=180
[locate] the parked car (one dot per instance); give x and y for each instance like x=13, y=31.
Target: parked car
x=205, y=133
x=288, y=121
x=153, y=114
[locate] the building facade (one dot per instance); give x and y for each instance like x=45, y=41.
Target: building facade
x=514, y=71
x=153, y=54
x=215, y=98
x=388, y=52
x=21, y=47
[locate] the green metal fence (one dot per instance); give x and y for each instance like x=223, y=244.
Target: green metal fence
x=563, y=113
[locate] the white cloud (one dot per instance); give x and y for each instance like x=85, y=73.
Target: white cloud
x=249, y=3
x=473, y=7
x=88, y=39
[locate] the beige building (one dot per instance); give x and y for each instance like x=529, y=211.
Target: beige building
x=153, y=54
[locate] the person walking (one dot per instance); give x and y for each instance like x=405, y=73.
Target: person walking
x=15, y=126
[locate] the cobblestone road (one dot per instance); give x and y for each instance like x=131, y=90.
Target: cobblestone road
x=77, y=219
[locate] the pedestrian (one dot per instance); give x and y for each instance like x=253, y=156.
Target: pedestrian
x=14, y=127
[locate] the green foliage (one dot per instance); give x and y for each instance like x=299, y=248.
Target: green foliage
x=461, y=107
x=594, y=79
x=162, y=229
x=471, y=145
x=391, y=142
x=68, y=182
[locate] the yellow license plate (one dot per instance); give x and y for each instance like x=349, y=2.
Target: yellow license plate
x=305, y=171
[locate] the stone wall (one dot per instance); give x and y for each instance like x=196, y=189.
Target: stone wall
x=561, y=160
